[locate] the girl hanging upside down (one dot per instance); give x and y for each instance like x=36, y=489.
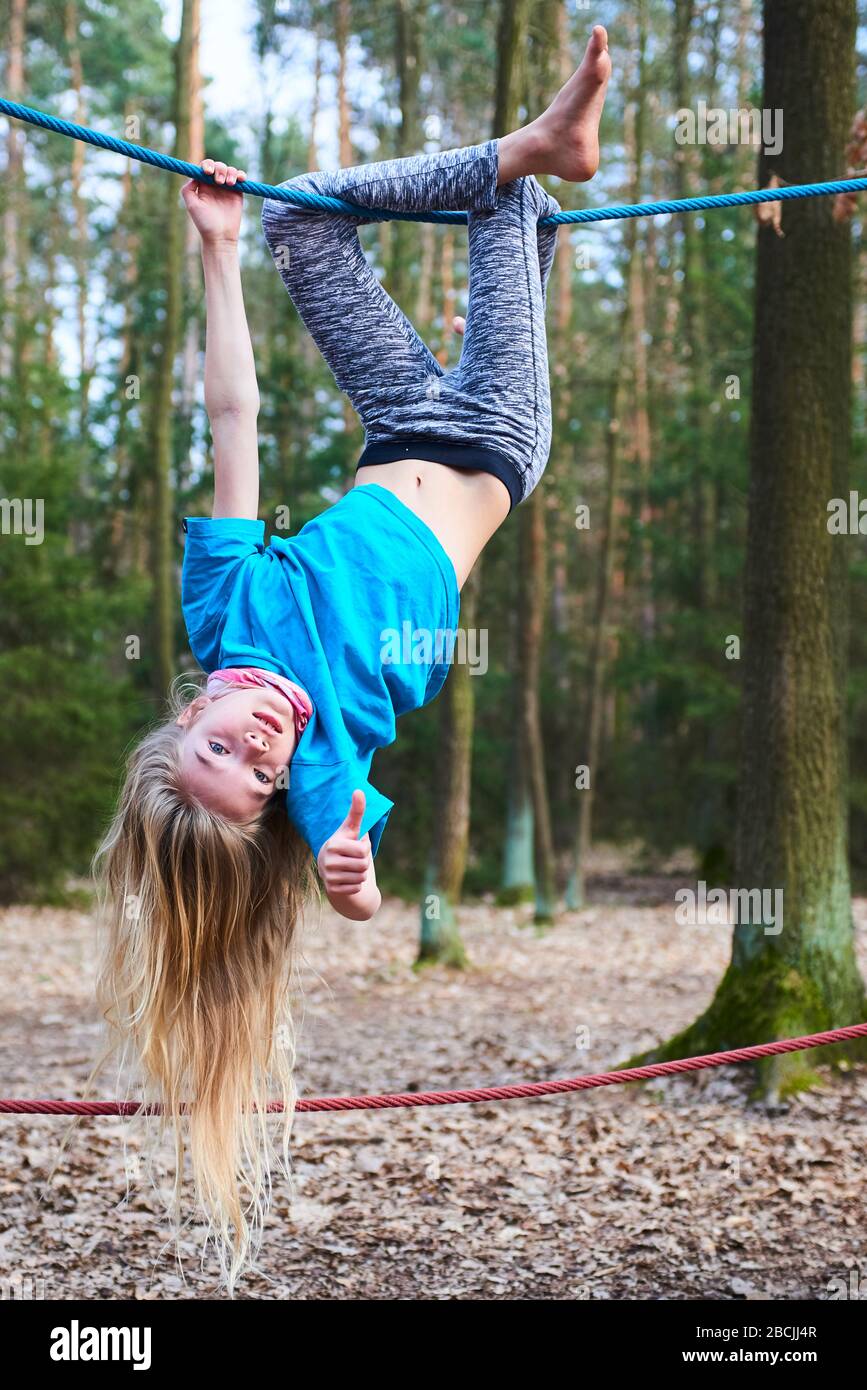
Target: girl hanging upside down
x=206, y=872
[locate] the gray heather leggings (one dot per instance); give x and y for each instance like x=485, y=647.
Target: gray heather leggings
x=493, y=410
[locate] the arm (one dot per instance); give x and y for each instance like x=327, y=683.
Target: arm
x=231, y=389
x=346, y=866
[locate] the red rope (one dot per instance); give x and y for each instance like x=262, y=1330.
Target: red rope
x=406, y=1099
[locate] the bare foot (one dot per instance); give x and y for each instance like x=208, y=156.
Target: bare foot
x=564, y=140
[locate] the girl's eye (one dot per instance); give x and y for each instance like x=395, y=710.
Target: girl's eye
x=261, y=776
x=216, y=747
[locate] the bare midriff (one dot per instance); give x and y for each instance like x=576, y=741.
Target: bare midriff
x=463, y=507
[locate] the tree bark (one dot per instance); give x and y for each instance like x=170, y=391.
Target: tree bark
x=312, y=143
x=590, y=759
x=342, y=31
x=792, y=812
x=343, y=21
x=195, y=153
x=162, y=436
x=511, y=43
x=639, y=266
x=630, y=335
x=447, y=282
x=692, y=334
x=13, y=179
x=424, y=307
x=532, y=595
x=79, y=211
x=125, y=527
x=518, y=880
x=439, y=939
x=409, y=23
x=532, y=545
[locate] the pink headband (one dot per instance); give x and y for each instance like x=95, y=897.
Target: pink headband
x=255, y=676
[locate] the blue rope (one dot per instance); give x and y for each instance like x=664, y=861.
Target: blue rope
x=314, y=200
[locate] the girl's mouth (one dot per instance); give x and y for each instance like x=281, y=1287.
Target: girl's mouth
x=270, y=721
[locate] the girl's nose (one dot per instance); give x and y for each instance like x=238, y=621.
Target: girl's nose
x=257, y=738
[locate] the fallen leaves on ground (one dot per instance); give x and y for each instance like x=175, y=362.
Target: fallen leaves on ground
x=686, y=1189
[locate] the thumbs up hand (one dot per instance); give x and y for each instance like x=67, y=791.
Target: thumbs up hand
x=346, y=866
x=355, y=816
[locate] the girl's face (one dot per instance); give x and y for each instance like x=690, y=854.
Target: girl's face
x=235, y=747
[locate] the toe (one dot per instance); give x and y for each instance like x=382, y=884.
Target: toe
x=596, y=64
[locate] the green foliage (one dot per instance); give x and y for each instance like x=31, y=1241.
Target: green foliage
x=671, y=700
x=69, y=699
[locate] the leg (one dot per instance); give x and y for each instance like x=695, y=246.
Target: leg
x=501, y=382
x=409, y=407
x=493, y=412
x=504, y=363
x=371, y=347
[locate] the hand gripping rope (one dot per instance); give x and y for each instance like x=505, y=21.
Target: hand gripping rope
x=314, y=200
x=411, y=1099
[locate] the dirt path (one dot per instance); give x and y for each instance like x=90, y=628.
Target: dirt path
x=687, y=1190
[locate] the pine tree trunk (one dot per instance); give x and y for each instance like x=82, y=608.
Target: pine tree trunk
x=693, y=329
x=447, y=283
x=532, y=594
x=709, y=815
x=518, y=883
x=343, y=24
x=529, y=781
x=631, y=345
x=566, y=474
x=162, y=406
x=195, y=153
x=312, y=143
x=342, y=28
x=439, y=939
x=640, y=266
x=511, y=43
x=792, y=813
x=409, y=23
x=80, y=259
x=424, y=307
x=590, y=759
x=125, y=525
x=13, y=179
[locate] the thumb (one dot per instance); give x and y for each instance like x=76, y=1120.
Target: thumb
x=352, y=824
x=459, y=323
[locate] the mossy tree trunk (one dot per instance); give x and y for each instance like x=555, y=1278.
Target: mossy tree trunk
x=792, y=814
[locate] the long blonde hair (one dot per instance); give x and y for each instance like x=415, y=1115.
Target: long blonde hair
x=195, y=981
